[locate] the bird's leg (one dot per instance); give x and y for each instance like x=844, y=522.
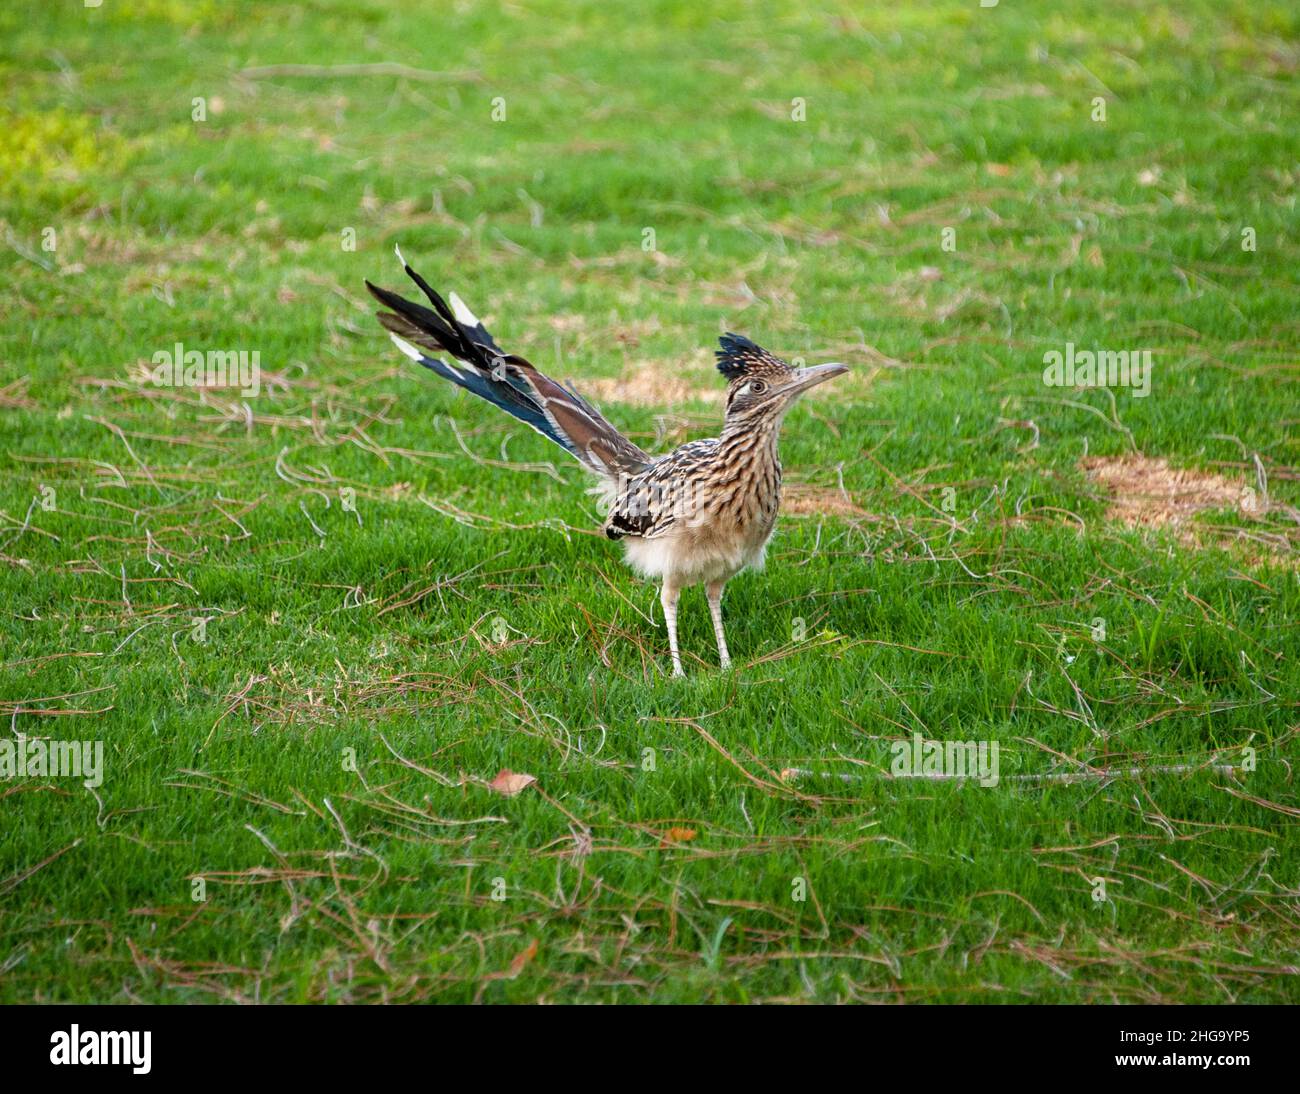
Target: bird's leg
x=668, y=598
x=714, y=593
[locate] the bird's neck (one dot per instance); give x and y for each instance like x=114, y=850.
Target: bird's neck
x=748, y=442
x=747, y=477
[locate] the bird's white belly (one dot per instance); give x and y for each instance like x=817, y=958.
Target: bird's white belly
x=697, y=556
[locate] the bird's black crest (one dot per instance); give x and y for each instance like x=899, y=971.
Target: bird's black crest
x=739, y=356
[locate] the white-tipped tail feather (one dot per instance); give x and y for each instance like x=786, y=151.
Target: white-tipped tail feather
x=461, y=312
x=405, y=346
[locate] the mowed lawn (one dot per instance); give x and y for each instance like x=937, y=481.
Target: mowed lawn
x=311, y=626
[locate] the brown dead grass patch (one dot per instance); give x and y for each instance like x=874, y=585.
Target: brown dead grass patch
x=1148, y=493
x=803, y=500
x=648, y=386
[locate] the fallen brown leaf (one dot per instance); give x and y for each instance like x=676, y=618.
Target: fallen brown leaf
x=517, y=965
x=522, y=957
x=510, y=782
x=677, y=835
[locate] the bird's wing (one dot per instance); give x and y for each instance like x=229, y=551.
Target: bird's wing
x=667, y=492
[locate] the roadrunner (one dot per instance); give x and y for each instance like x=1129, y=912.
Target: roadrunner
x=696, y=516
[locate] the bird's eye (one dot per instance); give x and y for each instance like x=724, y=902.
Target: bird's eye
x=757, y=387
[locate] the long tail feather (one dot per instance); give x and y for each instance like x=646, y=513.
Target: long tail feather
x=505, y=380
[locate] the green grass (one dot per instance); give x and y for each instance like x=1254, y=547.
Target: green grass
x=195, y=594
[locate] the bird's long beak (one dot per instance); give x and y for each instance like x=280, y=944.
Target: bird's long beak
x=804, y=378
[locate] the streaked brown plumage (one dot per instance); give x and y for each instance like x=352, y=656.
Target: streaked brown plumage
x=695, y=516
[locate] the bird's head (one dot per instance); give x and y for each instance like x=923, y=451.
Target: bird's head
x=760, y=386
